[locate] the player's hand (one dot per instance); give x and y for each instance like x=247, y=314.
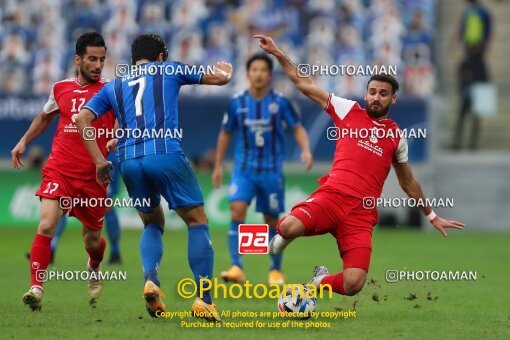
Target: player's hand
x=16, y=154
x=217, y=176
x=225, y=69
x=111, y=145
x=441, y=224
x=103, y=172
x=307, y=159
x=267, y=44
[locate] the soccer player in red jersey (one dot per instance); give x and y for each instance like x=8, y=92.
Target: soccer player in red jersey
x=360, y=167
x=69, y=172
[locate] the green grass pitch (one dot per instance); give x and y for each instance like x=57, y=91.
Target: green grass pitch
x=446, y=309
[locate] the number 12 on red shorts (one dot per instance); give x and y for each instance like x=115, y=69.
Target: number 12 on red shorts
x=253, y=238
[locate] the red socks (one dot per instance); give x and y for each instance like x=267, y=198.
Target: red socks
x=40, y=256
x=336, y=281
x=96, y=255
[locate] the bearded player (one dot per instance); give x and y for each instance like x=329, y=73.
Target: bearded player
x=360, y=167
x=69, y=172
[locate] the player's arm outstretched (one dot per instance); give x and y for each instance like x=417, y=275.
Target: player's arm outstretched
x=220, y=76
x=38, y=126
x=304, y=84
x=412, y=188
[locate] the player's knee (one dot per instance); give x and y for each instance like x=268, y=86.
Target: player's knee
x=195, y=219
x=353, y=285
x=46, y=228
x=238, y=211
x=192, y=215
x=155, y=217
x=291, y=227
x=283, y=227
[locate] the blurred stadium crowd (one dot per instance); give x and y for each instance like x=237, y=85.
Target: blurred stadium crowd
x=37, y=37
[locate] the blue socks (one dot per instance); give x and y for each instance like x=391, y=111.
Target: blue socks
x=151, y=251
x=233, y=240
x=276, y=260
x=200, y=256
x=113, y=229
x=200, y=253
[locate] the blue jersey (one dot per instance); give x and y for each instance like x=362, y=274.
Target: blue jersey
x=260, y=126
x=146, y=108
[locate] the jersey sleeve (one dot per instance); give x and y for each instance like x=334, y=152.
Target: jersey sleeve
x=339, y=107
x=229, y=122
x=401, y=153
x=189, y=74
x=290, y=115
x=100, y=103
x=51, y=105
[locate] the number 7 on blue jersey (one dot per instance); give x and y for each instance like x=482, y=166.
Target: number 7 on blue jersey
x=139, y=94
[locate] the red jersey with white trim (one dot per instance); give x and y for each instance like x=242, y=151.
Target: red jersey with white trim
x=68, y=155
x=363, y=156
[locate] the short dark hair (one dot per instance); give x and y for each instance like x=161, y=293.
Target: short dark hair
x=385, y=78
x=260, y=56
x=89, y=39
x=148, y=46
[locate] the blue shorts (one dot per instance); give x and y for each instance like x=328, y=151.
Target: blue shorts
x=167, y=175
x=268, y=188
